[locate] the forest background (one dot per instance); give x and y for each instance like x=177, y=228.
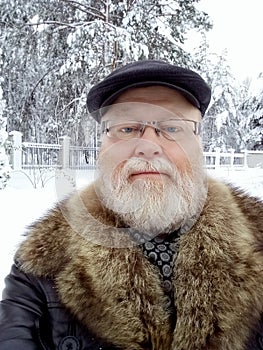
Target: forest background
x=53, y=51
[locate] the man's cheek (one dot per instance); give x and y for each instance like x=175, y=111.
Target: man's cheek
x=180, y=160
x=185, y=154
x=115, y=152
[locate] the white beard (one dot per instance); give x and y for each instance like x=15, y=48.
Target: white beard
x=150, y=206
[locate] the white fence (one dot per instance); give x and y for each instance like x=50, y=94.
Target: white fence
x=233, y=160
x=28, y=155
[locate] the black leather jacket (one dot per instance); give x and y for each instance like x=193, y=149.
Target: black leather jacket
x=32, y=318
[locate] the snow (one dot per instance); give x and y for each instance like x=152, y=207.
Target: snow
x=21, y=204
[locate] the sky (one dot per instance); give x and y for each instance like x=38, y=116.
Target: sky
x=237, y=28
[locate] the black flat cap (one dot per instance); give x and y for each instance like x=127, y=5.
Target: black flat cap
x=148, y=73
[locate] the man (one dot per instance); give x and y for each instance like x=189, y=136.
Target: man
x=153, y=254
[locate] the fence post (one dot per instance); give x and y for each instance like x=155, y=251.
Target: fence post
x=245, y=158
x=217, y=157
x=232, y=157
x=16, y=154
x=64, y=153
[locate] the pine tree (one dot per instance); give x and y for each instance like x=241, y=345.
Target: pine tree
x=54, y=51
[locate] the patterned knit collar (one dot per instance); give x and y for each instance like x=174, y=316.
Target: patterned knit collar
x=142, y=238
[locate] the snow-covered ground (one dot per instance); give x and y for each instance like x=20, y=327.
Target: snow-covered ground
x=20, y=203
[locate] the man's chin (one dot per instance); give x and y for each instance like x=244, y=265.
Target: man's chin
x=151, y=202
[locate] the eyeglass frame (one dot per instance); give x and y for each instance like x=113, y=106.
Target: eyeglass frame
x=153, y=124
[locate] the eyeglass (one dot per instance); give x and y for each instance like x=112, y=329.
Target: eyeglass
x=172, y=129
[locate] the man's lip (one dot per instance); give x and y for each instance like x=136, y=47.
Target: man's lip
x=147, y=173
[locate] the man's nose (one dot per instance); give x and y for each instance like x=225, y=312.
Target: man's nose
x=148, y=145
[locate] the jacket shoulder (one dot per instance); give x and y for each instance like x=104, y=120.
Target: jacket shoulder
x=244, y=206
x=252, y=208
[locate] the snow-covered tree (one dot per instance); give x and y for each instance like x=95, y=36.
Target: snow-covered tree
x=222, y=123
x=4, y=162
x=54, y=51
x=252, y=111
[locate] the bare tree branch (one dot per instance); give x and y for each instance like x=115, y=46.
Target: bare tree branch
x=74, y=25
x=69, y=104
x=87, y=9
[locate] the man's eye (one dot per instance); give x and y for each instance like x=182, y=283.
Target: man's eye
x=128, y=130
x=171, y=129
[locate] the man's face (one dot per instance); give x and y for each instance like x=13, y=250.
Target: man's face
x=148, y=104
x=147, y=176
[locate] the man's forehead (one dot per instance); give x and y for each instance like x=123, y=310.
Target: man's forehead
x=139, y=110
x=155, y=94
x=159, y=102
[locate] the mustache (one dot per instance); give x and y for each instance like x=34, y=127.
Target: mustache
x=134, y=165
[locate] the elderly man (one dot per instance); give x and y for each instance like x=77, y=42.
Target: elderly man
x=153, y=255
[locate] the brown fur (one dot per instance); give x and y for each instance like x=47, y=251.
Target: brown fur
x=116, y=292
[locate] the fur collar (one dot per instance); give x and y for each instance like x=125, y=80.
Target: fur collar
x=116, y=292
